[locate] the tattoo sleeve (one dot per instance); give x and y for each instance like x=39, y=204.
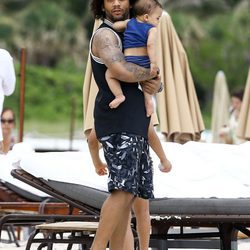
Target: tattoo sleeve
x=107, y=48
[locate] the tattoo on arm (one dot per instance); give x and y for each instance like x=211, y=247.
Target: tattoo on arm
x=109, y=51
x=139, y=72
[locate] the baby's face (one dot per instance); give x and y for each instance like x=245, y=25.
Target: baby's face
x=236, y=103
x=154, y=16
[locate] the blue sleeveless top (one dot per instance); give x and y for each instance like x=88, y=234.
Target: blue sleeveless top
x=136, y=34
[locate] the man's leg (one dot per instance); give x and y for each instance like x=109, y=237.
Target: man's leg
x=113, y=211
x=122, y=234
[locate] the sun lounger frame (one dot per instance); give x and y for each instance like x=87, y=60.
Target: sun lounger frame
x=228, y=223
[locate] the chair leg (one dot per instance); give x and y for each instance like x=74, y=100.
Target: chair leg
x=12, y=231
x=42, y=245
x=228, y=234
x=70, y=245
x=30, y=240
x=8, y=232
x=50, y=244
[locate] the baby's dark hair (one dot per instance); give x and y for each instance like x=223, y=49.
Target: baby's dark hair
x=142, y=7
x=238, y=93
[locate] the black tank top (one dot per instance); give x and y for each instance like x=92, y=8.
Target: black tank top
x=130, y=116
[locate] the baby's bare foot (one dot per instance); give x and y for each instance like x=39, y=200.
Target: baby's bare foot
x=165, y=166
x=117, y=101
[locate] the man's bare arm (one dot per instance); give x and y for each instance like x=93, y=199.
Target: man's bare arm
x=105, y=46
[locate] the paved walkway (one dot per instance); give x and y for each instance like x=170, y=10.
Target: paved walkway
x=242, y=245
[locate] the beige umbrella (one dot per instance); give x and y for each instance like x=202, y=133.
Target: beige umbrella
x=244, y=118
x=178, y=107
x=89, y=92
x=220, y=107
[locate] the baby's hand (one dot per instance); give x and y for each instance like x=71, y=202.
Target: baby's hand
x=101, y=169
x=154, y=69
x=165, y=166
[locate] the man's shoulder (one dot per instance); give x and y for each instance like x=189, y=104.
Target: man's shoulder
x=105, y=30
x=104, y=34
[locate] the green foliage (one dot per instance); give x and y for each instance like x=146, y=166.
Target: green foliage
x=48, y=30
x=49, y=94
x=215, y=35
x=220, y=42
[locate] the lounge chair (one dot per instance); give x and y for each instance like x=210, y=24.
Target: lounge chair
x=18, y=197
x=222, y=204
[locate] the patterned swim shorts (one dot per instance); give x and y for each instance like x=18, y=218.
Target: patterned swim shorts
x=129, y=163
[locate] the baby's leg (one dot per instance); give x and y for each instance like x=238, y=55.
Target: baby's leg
x=149, y=104
x=115, y=87
x=141, y=209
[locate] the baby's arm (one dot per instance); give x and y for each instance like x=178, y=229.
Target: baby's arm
x=93, y=144
x=151, y=49
x=120, y=26
x=155, y=144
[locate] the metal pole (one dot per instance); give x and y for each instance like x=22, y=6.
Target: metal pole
x=22, y=93
x=72, y=123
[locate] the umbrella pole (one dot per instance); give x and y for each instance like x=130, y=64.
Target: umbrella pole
x=72, y=123
x=22, y=93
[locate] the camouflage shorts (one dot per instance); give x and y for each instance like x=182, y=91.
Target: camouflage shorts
x=129, y=163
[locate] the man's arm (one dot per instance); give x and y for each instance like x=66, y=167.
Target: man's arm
x=7, y=73
x=105, y=46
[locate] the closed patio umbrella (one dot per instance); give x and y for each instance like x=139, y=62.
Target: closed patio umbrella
x=89, y=92
x=220, y=107
x=244, y=118
x=178, y=108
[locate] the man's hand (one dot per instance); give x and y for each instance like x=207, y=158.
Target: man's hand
x=151, y=86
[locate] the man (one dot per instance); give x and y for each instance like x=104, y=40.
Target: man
x=7, y=82
x=123, y=131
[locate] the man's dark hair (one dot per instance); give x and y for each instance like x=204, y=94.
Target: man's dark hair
x=238, y=93
x=96, y=7
x=8, y=109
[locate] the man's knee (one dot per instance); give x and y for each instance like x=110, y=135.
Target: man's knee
x=124, y=196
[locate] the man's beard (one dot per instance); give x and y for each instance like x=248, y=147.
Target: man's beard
x=115, y=19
